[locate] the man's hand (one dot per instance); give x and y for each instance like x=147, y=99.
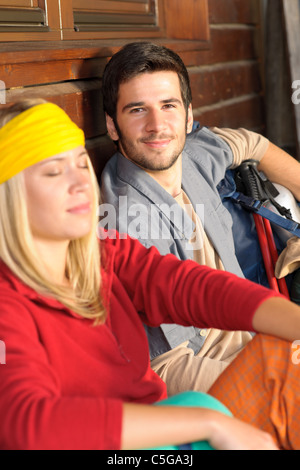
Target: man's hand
x=281, y=168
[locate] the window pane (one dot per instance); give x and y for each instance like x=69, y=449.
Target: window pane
x=21, y=19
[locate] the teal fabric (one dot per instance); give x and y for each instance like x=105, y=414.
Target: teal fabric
x=193, y=399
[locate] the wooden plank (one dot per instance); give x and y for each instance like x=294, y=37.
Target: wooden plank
x=38, y=73
x=18, y=3
x=110, y=6
x=212, y=84
x=22, y=16
x=82, y=100
x=187, y=19
x=131, y=34
x=29, y=36
x=100, y=150
x=59, y=14
x=31, y=52
x=22, y=52
x=227, y=45
x=112, y=21
x=246, y=112
x=291, y=12
x=233, y=12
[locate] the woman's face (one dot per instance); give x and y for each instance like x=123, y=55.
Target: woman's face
x=60, y=197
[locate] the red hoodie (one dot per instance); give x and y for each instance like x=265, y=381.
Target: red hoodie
x=65, y=380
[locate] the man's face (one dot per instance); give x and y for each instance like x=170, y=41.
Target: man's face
x=152, y=120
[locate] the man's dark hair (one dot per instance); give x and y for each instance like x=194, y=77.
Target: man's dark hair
x=136, y=58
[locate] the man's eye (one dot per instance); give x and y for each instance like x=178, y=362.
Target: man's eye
x=136, y=110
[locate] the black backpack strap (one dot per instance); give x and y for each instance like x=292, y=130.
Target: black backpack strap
x=254, y=193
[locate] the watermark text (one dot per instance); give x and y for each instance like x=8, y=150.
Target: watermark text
x=152, y=222
x=296, y=94
x=296, y=352
x=2, y=92
x=2, y=353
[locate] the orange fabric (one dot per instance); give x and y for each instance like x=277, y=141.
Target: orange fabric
x=261, y=387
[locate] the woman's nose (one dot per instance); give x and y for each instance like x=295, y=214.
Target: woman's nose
x=80, y=180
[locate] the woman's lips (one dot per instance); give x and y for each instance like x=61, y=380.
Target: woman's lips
x=80, y=209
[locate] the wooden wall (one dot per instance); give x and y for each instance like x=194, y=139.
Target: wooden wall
x=282, y=69
x=225, y=75
x=227, y=79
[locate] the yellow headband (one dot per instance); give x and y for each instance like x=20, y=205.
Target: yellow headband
x=38, y=133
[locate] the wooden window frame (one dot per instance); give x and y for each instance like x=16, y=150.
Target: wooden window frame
x=150, y=19
x=51, y=31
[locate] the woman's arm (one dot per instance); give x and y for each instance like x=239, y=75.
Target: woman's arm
x=164, y=289
x=150, y=426
x=278, y=317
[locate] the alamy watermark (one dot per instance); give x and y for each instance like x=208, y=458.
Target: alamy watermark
x=2, y=353
x=296, y=352
x=151, y=222
x=2, y=92
x=296, y=94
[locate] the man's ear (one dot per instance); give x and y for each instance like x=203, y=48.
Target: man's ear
x=190, y=119
x=111, y=128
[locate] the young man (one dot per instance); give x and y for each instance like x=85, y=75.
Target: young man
x=163, y=187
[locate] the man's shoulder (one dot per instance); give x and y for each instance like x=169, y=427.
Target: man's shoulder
x=110, y=168
x=121, y=177
x=207, y=153
x=204, y=137
x=121, y=169
x=116, y=175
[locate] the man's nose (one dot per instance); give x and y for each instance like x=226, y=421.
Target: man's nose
x=156, y=121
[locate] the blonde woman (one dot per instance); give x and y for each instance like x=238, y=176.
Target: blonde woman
x=77, y=372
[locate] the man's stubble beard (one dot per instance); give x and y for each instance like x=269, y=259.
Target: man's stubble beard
x=130, y=152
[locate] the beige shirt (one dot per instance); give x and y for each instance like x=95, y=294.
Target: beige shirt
x=243, y=143
x=218, y=345
x=222, y=345
x=177, y=367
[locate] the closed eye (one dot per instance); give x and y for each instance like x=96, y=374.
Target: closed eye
x=83, y=160
x=53, y=173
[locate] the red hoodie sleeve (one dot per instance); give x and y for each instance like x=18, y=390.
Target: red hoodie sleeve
x=167, y=290
x=35, y=413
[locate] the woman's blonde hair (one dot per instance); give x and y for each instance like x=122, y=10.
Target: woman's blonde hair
x=17, y=249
